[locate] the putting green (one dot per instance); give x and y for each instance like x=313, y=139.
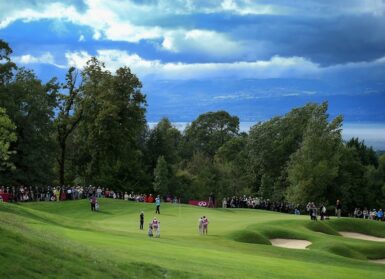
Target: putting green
x=67, y=240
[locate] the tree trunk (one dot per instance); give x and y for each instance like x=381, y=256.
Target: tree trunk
x=62, y=162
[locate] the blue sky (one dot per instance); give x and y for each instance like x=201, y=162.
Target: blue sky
x=253, y=58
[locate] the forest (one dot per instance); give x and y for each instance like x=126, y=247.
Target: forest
x=92, y=130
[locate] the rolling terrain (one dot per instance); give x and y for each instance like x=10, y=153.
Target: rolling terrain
x=67, y=240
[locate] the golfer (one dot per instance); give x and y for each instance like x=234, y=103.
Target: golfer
x=157, y=203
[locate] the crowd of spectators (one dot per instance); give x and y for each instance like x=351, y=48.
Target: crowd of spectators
x=62, y=193
x=373, y=214
x=258, y=203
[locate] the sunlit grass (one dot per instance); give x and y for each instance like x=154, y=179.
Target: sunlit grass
x=67, y=240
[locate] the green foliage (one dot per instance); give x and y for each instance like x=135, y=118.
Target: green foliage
x=162, y=140
x=6, y=65
x=231, y=165
x=351, y=181
x=7, y=136
x=68, y=118
x=271, y=145
x=113, y=109
x=366, y=154
x=161, y=176
x=30, y=105
x=314, y=166
x=204, y=176
x=182, y=185
x=209, y=132
x=94, y=127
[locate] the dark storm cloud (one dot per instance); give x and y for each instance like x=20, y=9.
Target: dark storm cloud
x=325, y=41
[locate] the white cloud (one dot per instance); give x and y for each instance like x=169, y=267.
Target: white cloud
x=208, y=42
x=274, y=68
x=246, y=7
x=77, y=59
x=45, y=58
x=81, y=38
x=50, y=11
x=114, y=21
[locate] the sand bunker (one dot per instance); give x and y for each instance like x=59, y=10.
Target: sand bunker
x=290, y=243
x=362, y=236
x=381, y=261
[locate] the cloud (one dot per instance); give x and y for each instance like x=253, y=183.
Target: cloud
x=110, y=22
x=209, y=42
x=44, y=58
x=324, y=8
x=274, y=68
x=325, y=32
x=251, y=8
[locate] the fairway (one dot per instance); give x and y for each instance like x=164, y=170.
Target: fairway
x=67, y=240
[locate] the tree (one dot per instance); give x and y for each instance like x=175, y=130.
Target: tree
x=68, y=117
x=161, y=176
x=270, y=147
x=231, y=165
x=209, y=132
x=113, y=119
x=7, y=136
x=30, y=104
x=203, y=174
x=350, y=185
x=359, y=181
x=6, y=65
x=162, y=140
x=314, y=166
x=366, y=154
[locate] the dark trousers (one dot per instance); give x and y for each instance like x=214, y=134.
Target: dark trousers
x=92, y=207
x=157, y=209
x=141, y=224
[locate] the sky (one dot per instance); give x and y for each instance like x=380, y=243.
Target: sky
x=253, y=58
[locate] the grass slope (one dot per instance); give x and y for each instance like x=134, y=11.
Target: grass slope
x=67, y=240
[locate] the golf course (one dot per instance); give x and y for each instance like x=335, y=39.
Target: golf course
x=67, y=240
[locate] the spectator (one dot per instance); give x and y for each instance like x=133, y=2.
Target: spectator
x=380, y=215
x=322, y=212
x=93, y=202
x=141, y=220
x=338, y=208
x=157, y=203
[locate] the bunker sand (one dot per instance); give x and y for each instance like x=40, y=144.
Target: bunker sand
x=380, y=261
x=290, y=243
x=362, y=236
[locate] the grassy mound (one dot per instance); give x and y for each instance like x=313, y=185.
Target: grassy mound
x=369, y=227
x=322, y=227
x=247, y=236
x=329, y=241
x=67, y=240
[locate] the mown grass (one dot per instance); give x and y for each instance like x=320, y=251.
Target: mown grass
x=67, y=240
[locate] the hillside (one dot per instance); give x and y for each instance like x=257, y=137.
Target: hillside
x=67, y=240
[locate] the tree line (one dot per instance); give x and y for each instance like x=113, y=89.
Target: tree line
x=91, y=129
